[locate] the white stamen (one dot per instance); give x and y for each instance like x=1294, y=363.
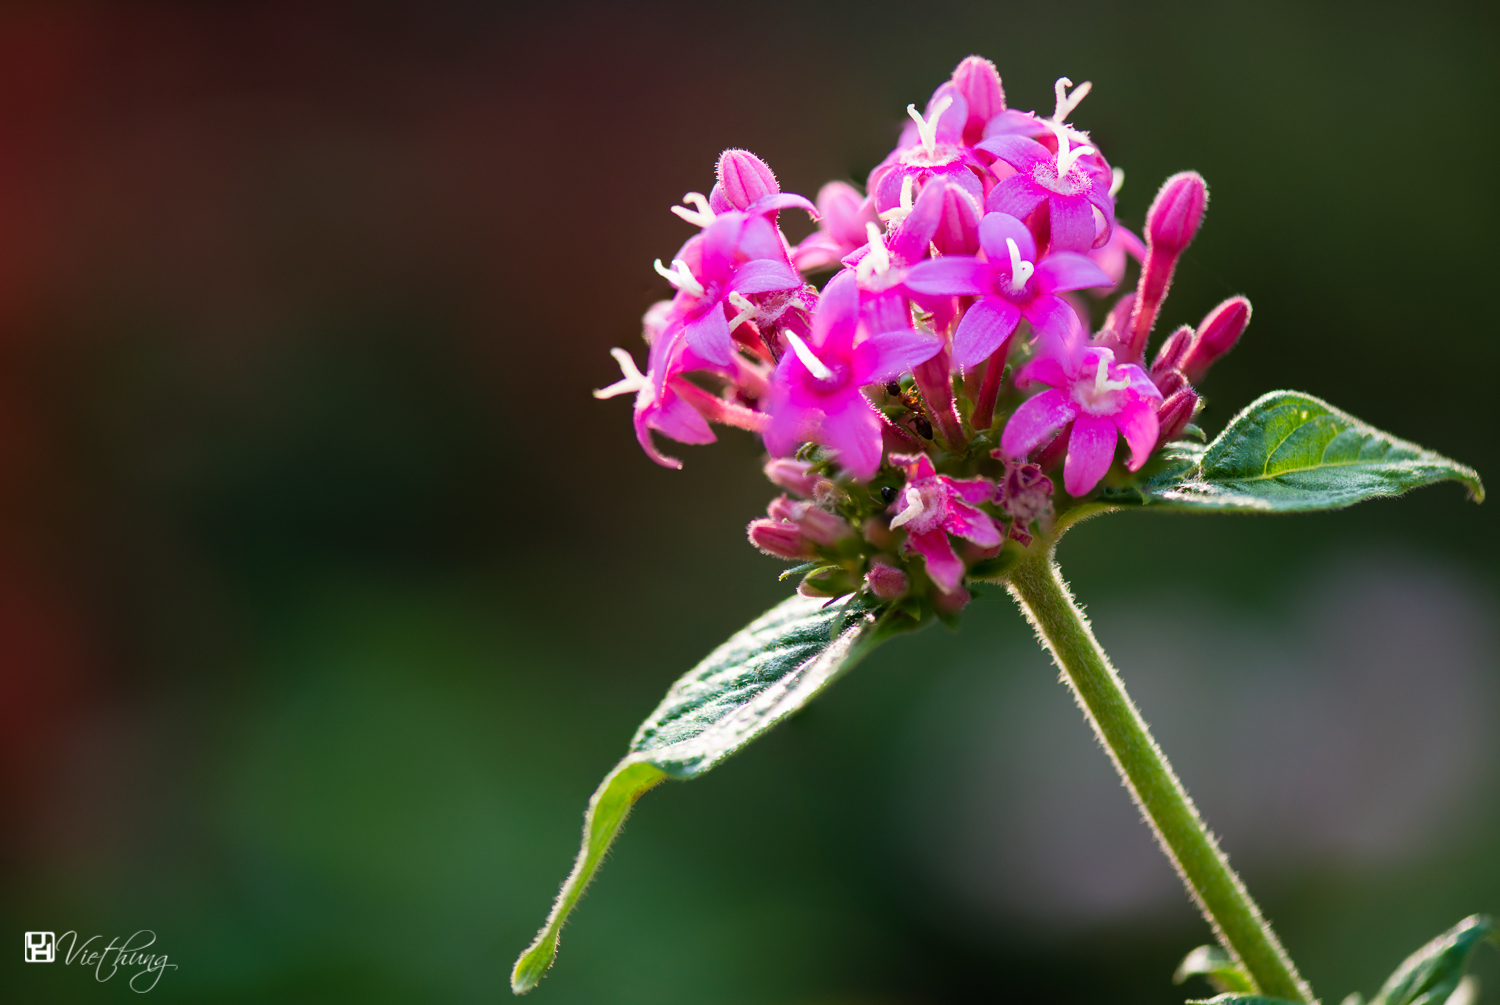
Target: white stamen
x=927, y=128
x=911, y=510
x=1020, y=269
x=1067, y=102
x=805, y=354
x=744, y=306
x=1102, y=382
x=1116, y=181
x=632, y=381
x=878, y=257
x=680, y=276
x=896, y=214
x=701, y=217
x=1066, y=157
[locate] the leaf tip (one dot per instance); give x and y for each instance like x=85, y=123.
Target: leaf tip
x=532, y=965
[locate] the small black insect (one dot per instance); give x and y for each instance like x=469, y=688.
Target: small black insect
x=923, y=426
x=887, y=494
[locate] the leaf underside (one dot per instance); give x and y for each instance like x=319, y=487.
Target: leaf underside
x=764, y=673
x=1430, y=975
x=1289, y=452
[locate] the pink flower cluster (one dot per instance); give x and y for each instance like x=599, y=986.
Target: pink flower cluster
x=964, y=256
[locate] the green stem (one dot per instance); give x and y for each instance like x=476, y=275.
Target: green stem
x=1039, y=589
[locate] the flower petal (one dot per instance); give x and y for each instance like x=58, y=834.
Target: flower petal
x=764, y=275
x=1072, y=223
x=1068, y=270
x=943, y=566
x=1139, y=424
x=974, y=490
x=951, y=275
x=973, y=524
x=708, y=335
x=1019, y=152
x=881, y=357
x=836, y=318
x=1052, y=318
x=984, y=328
x=781, y=200
x=995, y=228
x=1091, y=450
x=1017, y=195
x=854, y=433
x=910, y=240
x=1035, y=421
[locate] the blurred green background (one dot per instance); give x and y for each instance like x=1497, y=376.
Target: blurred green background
x=328, y=594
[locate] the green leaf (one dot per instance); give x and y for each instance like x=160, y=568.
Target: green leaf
x=1212, y=962
x=763, y=674
x=1289, y=452
x=1239, y=999
x=1432, y=973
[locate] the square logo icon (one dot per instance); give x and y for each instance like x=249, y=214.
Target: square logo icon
x=41, y=947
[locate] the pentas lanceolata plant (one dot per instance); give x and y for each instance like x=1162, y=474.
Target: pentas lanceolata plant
x=938, y=408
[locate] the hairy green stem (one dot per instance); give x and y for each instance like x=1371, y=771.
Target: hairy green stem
x=1039, y=589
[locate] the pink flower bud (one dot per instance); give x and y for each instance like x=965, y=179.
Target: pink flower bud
x=1119, y=315
x=952, y=602
x=743, y=178
x=784, y=540
x=1169, y=382
x=1177, y=212
x=979, y=84
x=1217, y=334
x=819, y=525
x=794, y=476
x=1169, y=356
x=886, y=581
x=1175, y=413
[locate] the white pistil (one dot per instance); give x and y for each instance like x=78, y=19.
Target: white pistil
x=896, y=214
x=927, y=128
x=680, y=276
x=632, y=381
x=805, y=354
x=744, y=306
x=1116, y=181
x=1066, y=156
x=1102, y=383
x=1067, y=102
x=1020, y=269
x=911, y=510
x=702, y=216
x=878, y=257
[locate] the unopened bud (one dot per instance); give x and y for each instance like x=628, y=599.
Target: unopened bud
x=886, y=581
x=1217, y=334
x=1177, y=212
x=958, y=226
x=978, y=82
x=1175, y=413
x=819, y=525
x=950, y=603
x=784, y=540
x=792, y=475
x=1171, y=224
x=1169, y=382
x=743, y=178
x=1169, y=356
x=1118, y=318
